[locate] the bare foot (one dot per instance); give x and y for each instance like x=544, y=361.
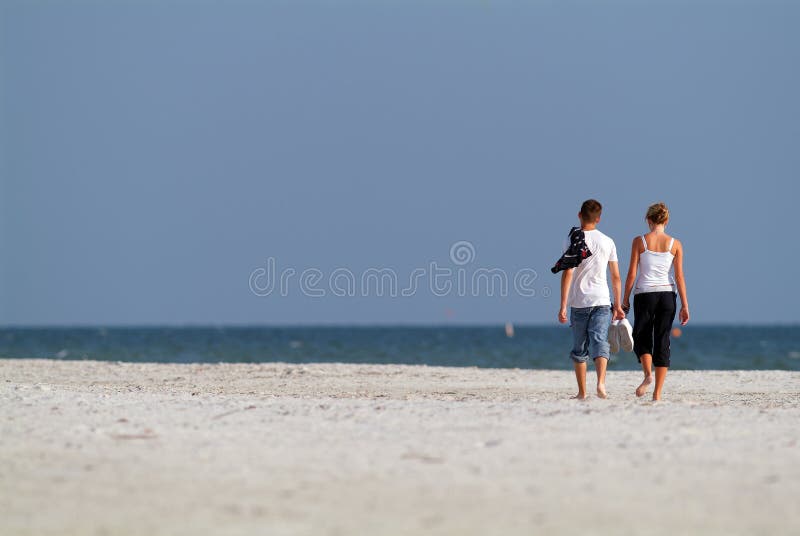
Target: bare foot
x=580, y=396
x=656, y=397
x=601, y=391
x=642, y=389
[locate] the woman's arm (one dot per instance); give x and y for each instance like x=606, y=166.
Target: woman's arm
x=680, y=280
x=633, y=267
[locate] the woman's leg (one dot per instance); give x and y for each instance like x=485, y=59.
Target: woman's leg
x=662, y=325
x=643, y=337
x=661, y=375
x=647, y=368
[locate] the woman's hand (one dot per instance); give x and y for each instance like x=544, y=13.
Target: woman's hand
x=684, y=316
x=626, y=306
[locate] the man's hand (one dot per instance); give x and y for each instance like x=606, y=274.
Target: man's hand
x=562, y=315
x=619, y=314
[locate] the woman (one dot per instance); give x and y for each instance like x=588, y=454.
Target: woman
x=655, y=255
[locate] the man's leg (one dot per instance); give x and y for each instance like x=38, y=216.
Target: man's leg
x=599, y=321
x=580, y=375
x=600, y=364
x=647, y=368
x=580, y=347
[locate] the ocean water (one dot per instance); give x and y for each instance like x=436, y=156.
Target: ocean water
x=698, y=348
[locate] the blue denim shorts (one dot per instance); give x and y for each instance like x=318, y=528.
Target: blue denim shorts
x=590, y=332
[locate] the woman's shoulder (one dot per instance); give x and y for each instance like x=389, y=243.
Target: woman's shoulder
x=637, y=242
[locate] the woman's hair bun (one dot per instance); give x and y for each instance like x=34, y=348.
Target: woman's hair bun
x=658, y=213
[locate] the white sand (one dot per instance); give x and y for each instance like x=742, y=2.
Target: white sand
x=104, y=448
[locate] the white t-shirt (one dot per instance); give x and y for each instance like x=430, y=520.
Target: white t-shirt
x=589, y=284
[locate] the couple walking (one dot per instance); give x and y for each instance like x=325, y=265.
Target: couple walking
x=655, y=256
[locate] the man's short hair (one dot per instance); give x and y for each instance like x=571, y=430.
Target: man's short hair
x=591, y=210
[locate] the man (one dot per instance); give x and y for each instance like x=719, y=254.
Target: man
x=585, y=290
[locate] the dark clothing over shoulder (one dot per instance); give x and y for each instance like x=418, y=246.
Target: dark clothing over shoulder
x=576, y=252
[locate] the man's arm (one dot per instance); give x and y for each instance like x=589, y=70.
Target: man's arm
x=616, y=285
x=566, y=281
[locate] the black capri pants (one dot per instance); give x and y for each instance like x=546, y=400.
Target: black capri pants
x=654, y=312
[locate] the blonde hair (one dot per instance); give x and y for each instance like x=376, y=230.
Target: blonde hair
x=658, y=213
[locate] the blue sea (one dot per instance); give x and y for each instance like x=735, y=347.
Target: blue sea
x=698, y=348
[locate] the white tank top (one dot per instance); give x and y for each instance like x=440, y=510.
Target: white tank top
x=655, y=270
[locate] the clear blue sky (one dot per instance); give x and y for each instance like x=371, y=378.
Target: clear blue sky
x=155, y=153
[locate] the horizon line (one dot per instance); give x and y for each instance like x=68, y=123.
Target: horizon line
x=358, y=325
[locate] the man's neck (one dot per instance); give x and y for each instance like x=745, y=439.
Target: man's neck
x=588, y=226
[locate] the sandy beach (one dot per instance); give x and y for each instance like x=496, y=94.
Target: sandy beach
x=121, y=448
